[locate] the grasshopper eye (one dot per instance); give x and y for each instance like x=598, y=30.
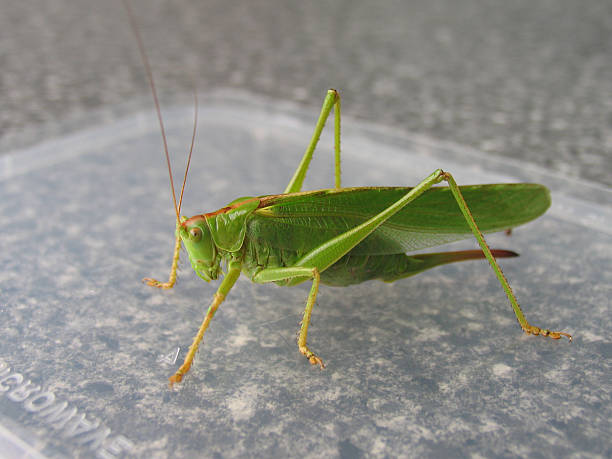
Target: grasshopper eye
x=195, y=234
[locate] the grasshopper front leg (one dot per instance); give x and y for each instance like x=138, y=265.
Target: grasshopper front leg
x=173, y=270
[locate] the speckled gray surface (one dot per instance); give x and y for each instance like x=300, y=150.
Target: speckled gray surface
x=430, y=366
x=526, y=79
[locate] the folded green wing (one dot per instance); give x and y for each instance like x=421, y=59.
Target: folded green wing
x=301, y=221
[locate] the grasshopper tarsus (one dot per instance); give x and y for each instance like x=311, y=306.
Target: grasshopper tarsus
x=533, y=330
x=559, y=335
x=178, y=376
x=155, y=283
x=175, y=379
x=314, y=360
x=312, y=357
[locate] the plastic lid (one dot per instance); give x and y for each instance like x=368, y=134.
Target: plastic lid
x=432, y=365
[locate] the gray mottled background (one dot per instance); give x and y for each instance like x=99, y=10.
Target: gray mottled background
x=432, y=366
x=428, y=367
x=531, y=80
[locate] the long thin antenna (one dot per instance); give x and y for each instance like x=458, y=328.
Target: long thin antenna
x=195, y=125
x=145, y=61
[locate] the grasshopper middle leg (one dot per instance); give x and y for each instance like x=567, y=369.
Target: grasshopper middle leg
x=298, y=274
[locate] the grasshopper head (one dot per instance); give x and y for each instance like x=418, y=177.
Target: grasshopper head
x=198, y=241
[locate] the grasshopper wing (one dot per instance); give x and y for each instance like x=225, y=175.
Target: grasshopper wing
x=299, y=222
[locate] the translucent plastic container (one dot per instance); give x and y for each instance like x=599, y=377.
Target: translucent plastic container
x=433, y=365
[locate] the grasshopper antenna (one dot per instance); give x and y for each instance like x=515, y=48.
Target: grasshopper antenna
x=145, y=62
x=193, y=135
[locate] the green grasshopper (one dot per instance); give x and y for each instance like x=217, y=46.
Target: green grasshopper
x=343, y=236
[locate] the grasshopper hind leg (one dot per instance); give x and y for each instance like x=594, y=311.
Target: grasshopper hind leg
x=465, y=210
x=332, y=101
